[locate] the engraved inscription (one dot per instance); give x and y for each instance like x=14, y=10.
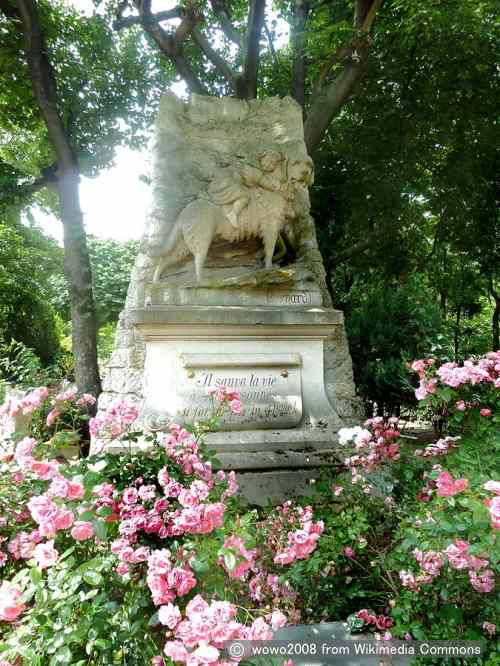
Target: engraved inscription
x=269, y=387
x=298, y=298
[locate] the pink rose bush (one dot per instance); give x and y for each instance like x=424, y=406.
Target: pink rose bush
x=440, y=563
x=371, y=446
x=465, y=394
x=151, y=541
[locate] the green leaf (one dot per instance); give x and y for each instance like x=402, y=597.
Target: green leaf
x=92, y=578
x=104, y=511
x=36, y=575
x=100, y=529
x=230, y=560
x=199, y=566
x=62, y=656
x=452, y=614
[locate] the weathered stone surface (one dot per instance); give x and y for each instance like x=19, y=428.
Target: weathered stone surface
x=229, y=266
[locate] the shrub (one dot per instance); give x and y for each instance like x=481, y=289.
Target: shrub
x=411, y=535
x=388, y=327
x=117, y=559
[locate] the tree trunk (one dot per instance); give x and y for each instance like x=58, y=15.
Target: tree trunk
x=456, y=335
x=76, y=261
x=78, y=273
x=251, y=70
x=329, y=102
x=298, y=39
x=495, y=324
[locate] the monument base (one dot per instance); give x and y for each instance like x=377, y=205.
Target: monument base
x=274, y=358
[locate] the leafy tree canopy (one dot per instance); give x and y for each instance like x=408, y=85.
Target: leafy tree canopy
x=107, y=95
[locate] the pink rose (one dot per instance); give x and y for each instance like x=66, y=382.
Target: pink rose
x=64, y=519
x=277, y=619
x=44, y=469
x=483, y=582
x=82, y=530
x=448, y=486
x=490, y=628
x=260, y=631
x=58, y=487
x=10, y=605
x=485, y=411
x=235, y=406
x=45, y=554
x=24, y=449
x=52, y=417
x=285, y=557
x=75, y=490
x=155, y=661
x=169, y=615
x=206, y=654
x=494, y=508
x=492, y=487
x=176, y=651
x=196, y=606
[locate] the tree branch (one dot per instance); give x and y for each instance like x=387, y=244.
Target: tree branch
x=270, y=44
x=299, y=68
x=330, y=98
x=361, y=245
x=44, y=85
x=219, y=63
x=221, y=11
x=127, y=21
x=26, y=190
x=171, y=45
x=252, y=56
x=184, y=28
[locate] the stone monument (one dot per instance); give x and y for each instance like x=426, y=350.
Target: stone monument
x=229, y=289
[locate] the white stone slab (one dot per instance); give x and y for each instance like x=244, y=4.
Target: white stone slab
x=279, y=391
x=269, y=386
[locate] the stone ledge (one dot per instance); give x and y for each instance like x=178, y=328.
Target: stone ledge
x=294, y=439
x=234, y=316
x=263, y=488
x=263, y=460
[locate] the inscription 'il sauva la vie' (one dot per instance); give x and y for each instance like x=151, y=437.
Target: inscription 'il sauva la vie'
x=208, y=379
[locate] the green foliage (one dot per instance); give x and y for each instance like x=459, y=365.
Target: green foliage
x=19, y=364
x=111, y=262
x=331, y=584
x=25, y=315
x=106, y=341
x=449, y=604
x=407, y=183
x=388, y=529
x=387, y=327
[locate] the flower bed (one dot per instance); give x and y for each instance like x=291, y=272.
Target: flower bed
x=136, y=557
x=148, y=557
